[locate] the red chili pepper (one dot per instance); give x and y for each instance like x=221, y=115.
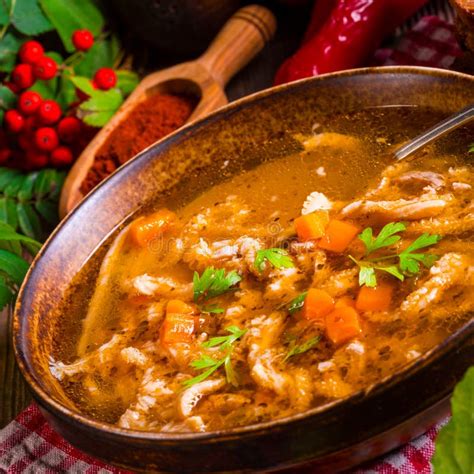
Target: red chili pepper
x=351, y=32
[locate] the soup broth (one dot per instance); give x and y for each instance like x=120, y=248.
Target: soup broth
x=291, y=284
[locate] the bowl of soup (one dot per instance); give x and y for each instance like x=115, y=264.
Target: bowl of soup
x=266, y=288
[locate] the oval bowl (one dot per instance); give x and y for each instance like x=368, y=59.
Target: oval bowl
x=330, y=438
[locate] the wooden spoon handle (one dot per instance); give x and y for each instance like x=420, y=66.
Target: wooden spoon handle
x=240, y=39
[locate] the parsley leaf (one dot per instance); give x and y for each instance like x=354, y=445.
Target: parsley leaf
x=213, y=282
x=409, y=260
x=387, y=236
x=406, y=263
x=297, y=303
x=453, y=452
x=225, y=344
x=212, y=308
x=295, y=349
x=277, y=257
x=471, y=148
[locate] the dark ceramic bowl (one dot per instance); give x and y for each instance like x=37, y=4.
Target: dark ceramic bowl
x=333, y=437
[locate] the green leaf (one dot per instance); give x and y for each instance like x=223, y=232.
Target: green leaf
x=212, y=308
x=367, y=276
x=8, y=212
x=102, y=54
x=126, y=81
x=213, y=282
x=48, y=211
x=7, y=98
x=29, y=19
x=6, y=294
x=26, y=190
x=297, y=303
x=454, y=453
x=14, y=266
x=302, y=348
x=28, y=221
x=8, y=234
x=386, y=236
x=70, y=15
x=471, y=148
x=6, y=175
x=84, y=84
x=66, y=92
x=277, y=257
x=9, y=46
x=206, y=362
x=14, y=186
x=5, y=6
x=101, y=107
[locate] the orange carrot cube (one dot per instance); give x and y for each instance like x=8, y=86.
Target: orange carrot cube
x=375, y=299
x=317, y=304
x=338, y=235
x=342, y=324
x=311, y=226
x=148, y=228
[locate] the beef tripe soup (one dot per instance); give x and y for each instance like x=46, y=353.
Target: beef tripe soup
x=293, y=283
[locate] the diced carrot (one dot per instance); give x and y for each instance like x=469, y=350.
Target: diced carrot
x=338, y=235
x=317, y=304
x=311, y=226
x=148, y=228
x=378, y=298
x=179, y=323
x=342, y=324
x=178, y=306
x=177, y=328
x=345, y=301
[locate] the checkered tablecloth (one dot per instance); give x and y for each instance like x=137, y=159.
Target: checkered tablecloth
x=29, y=445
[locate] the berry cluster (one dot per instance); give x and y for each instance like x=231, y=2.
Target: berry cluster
x=37, y=133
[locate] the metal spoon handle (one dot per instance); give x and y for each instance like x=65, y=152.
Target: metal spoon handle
x=452, y=122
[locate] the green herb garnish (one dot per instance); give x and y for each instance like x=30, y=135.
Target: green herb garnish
x=297, y=303
x=471, y=148
x=212, y=308
x=406, y=263
x=295, y=349
x=226, y=344
x=213, y=282
x=277, y=257
x=454, y=453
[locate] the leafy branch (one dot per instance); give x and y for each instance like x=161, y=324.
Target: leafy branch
x=13, y=266
x=29, y=202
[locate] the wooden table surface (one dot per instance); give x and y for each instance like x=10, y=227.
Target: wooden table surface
x=256, y=76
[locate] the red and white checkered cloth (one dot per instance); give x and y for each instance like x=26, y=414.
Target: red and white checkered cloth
x=29, y=445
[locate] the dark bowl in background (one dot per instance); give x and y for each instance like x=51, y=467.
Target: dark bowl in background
x=175, y=27
x=333, y=437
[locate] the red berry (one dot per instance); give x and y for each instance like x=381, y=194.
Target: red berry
x=69, y=129
x=62, y=156
x=35, y=159
x=5, y=154
x=105, y=78
x=13, y=87
x=22, y=76
x=82, y=40
x=31, y=52
x=45, y=68
x=49, y=112
x=46, y=139
x=26, y=140
x=29, y=102
x=14, y=121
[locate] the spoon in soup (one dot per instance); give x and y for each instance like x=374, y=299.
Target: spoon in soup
x=454, y=121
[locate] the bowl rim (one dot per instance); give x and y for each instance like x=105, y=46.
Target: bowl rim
x=61, y=411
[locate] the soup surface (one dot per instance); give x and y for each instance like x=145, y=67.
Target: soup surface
x=289, y=285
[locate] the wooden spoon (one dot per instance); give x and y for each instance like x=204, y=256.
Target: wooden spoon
x=240, y=39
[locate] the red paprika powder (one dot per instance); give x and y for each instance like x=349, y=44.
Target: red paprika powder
x=150, y=120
